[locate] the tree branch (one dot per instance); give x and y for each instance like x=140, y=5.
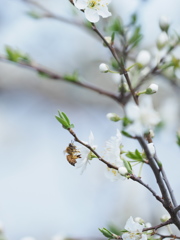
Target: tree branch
x=39, y=69
x=91, y=149
x=159, y=226
x=49, y=14
x=167, y=202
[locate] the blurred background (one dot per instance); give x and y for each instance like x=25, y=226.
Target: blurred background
x=41, y=194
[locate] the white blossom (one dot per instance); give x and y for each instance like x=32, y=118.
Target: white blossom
x=86, y=154
x=134, y=231
x=162, y=40
x=165, y=217
x=112, y=155
x=93, y=9
x=164, y=23
x=123, y=171
x=143, y=117
x=151, y=148
x=143, y=58
x=103, y=68
x=153, y=88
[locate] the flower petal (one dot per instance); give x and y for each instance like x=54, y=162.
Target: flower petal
x=91, y=15
x=104, y=12
x=81, y=4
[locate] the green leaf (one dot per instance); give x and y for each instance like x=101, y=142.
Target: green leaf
x=117, y=26
x=137, y=156
x=178, y=138
x=127, y=166
x=71, y=77
x=43, y=74
x=112, y=37
x=106, y=233
x=34, y=15
x=114, y=229
x=126, y=121
x=16, y=56
x=136, y=37
x=64, y=116
x=64, y=120
x=133, y=18
x=126, y=134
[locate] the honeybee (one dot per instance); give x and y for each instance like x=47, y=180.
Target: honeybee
x=72, y=154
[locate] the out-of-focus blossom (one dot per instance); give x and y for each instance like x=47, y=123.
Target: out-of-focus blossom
x=143, y=117
x=86, y=154
x=143, y=58
x=112, y=155
x=134, y=231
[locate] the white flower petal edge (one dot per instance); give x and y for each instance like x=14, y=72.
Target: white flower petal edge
x=143, y=116
x=85, y=154
x=112, y=155
x=134, y=231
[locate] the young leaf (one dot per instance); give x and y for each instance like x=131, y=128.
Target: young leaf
x=64, y=120
x=106, y=233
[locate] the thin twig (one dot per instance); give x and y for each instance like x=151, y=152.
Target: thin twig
x=49, y=14
x=134, y=178
x=168, y=236
x=92, y=150
x=167, y=183
x=131, y=176
x=159, y=225
x=177, y=209
x=167, y=202
x=122, y=69
x=55, y=76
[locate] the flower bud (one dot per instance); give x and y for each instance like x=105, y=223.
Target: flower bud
x=143, y=58
x=165, y=217
x=153, y=88
x=113, y=117
x=151, y=133
x=151, y=148
x=123, y=171
x=148, y=225
x=103, y=68
x=162, y=40
x=139, y=220
x=108, y=40
x=164, y=23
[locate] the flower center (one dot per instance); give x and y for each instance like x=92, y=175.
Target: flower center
x=93, y=3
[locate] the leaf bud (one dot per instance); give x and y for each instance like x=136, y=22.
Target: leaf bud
x=113, y=117
x=106, y=233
